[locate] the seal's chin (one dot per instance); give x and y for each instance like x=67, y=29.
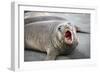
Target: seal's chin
x=68, y=37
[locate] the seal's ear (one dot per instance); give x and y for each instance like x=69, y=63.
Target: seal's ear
x=80, y=30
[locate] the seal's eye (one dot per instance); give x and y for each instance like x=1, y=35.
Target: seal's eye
x=59, y=28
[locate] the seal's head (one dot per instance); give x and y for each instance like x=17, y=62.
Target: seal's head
x=66, y=34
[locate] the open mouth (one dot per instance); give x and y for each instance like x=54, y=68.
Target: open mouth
x=68, y=37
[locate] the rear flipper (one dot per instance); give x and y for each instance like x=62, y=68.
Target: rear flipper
x=78, y=30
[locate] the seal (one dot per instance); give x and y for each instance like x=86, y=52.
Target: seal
x=54, y=36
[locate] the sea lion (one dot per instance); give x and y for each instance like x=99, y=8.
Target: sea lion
x=54, y=37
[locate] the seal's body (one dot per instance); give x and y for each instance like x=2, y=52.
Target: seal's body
x=54, y=37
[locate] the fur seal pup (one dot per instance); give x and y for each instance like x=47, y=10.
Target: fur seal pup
x=54, y=37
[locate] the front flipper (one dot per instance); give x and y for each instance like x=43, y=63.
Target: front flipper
x=51, y=54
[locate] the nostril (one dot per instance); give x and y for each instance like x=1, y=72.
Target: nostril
x=66, y=27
